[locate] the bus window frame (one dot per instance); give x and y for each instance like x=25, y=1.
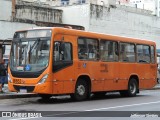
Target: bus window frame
x=61, y=64
x=86, y=44
x=143, y=54
x=154, y=50
x=135, y=52
x=116, y=52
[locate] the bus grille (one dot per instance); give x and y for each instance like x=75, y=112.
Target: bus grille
x=28, y=88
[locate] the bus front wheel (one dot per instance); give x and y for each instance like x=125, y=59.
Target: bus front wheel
x=81, y=91
x=132, y=89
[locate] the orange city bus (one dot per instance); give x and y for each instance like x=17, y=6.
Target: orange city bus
x=54, y=61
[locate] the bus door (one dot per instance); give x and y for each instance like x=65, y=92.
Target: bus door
x=63, y=69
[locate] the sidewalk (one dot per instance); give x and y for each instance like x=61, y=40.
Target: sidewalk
x=9, y=95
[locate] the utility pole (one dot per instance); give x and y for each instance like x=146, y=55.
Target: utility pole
x=13, y=9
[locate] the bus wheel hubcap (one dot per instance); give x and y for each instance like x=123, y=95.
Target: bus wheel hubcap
x=81, y=90
x=133, y=88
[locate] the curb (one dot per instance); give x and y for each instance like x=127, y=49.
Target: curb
x=12, y=96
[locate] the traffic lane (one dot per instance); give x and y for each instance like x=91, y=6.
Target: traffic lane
x=66, y=104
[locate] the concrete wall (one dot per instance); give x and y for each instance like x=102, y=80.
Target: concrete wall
x=38, y=13
x=120, y=22
x=7, y=29
x=5, y=10
x=116, y=20
x=76, y=15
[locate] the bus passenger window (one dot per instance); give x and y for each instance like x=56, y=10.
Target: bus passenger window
x=82, y=54
x=88, y=49
x=108, y=50
x=67, y=52
x=127, y=52
x=152, y=54
x=143, y=54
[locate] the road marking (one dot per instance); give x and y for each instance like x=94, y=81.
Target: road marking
x=122, y=106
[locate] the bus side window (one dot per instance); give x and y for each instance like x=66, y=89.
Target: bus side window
x=82, y=48
x=143, y=54
x=67, y=52
x=127, y=52
x=56, y=51
x=88, y=49
x=152, y=54
x=109, y=50
x=64, y=55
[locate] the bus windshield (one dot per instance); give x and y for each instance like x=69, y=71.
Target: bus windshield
x=30, y=54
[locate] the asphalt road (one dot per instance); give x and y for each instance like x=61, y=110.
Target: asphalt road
x=112, y=106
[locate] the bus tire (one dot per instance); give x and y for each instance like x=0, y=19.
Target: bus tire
x=45, y=96
x=81, y=91
x=132, y=89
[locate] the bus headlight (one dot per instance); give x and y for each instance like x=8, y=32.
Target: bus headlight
x=9, y=79
x=43, y=79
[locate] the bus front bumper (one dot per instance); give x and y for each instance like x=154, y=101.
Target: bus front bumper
x=38, y=88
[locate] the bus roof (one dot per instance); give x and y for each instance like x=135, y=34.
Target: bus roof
x=102, y=36
x=90, y=34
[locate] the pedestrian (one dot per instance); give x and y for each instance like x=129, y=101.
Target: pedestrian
x=2, y=75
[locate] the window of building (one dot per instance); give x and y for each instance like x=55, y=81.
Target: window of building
x=64, y=2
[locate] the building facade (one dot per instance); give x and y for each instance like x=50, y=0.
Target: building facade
x=151, y=5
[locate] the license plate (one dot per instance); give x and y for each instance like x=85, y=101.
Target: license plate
x=23, y=91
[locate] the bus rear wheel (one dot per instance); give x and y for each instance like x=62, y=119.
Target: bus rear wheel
x=132, y=89
x=81, y=90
